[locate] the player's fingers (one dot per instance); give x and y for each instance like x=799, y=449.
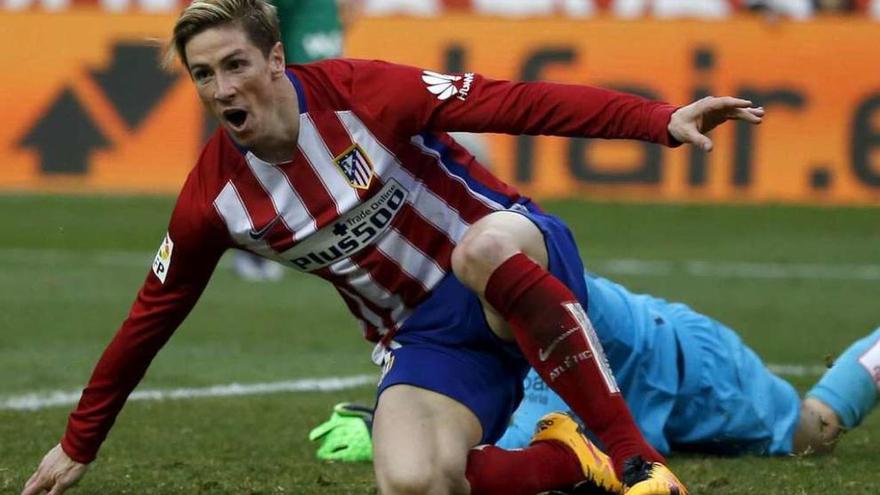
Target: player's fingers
x=34, y=485
x=60, y=487
x=693, y=137
x=706, y=144
x=722, y=102
x=746, y=115
x=33, y=478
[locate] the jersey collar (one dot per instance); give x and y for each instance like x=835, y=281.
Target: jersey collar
x=300, y=93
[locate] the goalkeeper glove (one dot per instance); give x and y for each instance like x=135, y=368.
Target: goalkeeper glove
x=346, y=435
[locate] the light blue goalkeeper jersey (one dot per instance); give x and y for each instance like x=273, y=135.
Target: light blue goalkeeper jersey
x=689, y=381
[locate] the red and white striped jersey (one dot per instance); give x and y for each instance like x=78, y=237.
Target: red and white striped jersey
x=374, y=199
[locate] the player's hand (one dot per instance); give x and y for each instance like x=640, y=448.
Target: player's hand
x=55, y=475
x=691, y=123
x=650, y=478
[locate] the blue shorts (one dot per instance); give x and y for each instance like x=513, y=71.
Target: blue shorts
x=690, y=382
x=446, y=345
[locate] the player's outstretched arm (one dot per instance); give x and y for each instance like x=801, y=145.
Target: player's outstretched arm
x=56, y=473
x=691, y=123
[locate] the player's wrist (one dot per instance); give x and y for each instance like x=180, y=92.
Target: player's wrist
x=73, y=453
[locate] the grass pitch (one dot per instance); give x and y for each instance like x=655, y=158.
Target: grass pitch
x=798, y=283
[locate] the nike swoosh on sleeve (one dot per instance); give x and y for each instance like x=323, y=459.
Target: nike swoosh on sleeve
x=258, y=234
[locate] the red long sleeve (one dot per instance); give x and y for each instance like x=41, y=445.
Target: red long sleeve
x=410, y=101
x=161, y=306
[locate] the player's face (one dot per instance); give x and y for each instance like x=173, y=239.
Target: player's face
x=235, y=81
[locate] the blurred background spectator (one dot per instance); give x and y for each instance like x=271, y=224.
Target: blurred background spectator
x=526, y=8
x=665, y=9
x=834, y=5
x=404, y=7
x=673, y=8
x=794, y=9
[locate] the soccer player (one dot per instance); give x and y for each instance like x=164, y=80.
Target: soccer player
x=311, y=30
x=343, y=169
x=690, y=382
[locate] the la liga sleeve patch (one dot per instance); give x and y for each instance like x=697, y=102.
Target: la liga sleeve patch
x=163, y=258
x=871, y=361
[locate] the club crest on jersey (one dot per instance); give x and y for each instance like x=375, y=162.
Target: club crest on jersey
x=163, y=258
x=871, y=361
x=355, y=167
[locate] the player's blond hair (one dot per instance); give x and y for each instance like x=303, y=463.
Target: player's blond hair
x=258, y=19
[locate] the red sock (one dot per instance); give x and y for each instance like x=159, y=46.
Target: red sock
x=541, y=467
x=556, y=337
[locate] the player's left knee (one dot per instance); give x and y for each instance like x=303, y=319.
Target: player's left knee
x=818, y=429
x=479, y=253
x=491, y=241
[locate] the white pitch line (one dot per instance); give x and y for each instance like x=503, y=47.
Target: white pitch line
x=112, y=258
x=37, y=401
x=609, y=266
x=45, y=400
x=797, y=370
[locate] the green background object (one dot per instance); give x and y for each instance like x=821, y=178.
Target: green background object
x=310, y=29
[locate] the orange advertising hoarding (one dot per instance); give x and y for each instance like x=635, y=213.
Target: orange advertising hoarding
x=819, y=82
x=88, y=107
x=91, y=111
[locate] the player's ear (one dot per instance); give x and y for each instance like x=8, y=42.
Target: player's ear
x=276, y=59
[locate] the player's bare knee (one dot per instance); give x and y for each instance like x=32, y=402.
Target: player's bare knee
x=451, y=470
x=402, y=482
x=491, y=241
x=404, y=475
x=426, y=480
x=818, y=429
x=479, y=253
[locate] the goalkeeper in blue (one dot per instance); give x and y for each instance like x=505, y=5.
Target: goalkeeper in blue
x=691, y=383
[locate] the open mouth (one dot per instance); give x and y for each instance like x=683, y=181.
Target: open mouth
x=235, y=117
